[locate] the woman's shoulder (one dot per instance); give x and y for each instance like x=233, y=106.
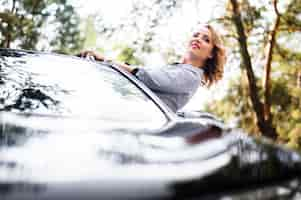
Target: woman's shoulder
x=189, y=68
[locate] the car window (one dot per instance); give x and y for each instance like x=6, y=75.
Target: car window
x=60, y=85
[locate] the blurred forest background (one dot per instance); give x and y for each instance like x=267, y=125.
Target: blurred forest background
x=262, y=90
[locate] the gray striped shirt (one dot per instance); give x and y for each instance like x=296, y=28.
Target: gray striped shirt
x=174, y=84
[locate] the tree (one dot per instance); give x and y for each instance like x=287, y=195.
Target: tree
x=90, y=32
x=22, y=23
x=127, y=55
x=68, y=38
x=264, y=43
x=268, y=61
x=140, y=24
x=264, y=125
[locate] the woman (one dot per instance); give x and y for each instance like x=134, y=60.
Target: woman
x=202, y=64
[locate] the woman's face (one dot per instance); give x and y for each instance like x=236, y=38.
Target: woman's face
x=201, y=44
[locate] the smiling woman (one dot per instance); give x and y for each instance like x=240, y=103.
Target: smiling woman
x=214, y=65
x=201, y=64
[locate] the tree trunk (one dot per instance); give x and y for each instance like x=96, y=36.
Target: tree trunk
x=7, y=39
x=299, y=80
x=299, y=85
x=264, y=126
x=267, y=68
x=8, y=36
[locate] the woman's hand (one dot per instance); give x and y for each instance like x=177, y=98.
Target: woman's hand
x=93, y=54
x=98, y=57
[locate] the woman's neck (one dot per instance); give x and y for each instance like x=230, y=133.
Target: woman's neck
x=190, y=58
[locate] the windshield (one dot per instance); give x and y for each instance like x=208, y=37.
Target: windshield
x=65, y=86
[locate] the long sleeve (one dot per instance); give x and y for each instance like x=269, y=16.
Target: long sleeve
x=173, y=84
x=171, y=79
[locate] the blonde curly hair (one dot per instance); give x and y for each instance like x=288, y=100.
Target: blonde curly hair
x=214, y=67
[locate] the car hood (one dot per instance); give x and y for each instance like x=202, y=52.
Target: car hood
x=55, y=147
x=52, y=152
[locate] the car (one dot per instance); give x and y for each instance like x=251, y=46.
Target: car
x=72, y=128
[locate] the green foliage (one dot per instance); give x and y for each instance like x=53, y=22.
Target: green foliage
x=22, y=24
x=90, y=33
x=127, y=55
x=286, y=103
x=291, y=20
x=295, y=136
x=142, y=23
x=68, y=39
x=286, y=64
x=236, y=106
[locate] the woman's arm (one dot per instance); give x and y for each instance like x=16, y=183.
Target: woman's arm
x=177, y=80
x=99, y=57
x=180, y=80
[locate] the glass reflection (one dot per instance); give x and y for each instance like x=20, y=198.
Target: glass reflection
x=59, y=85
x=7, y=189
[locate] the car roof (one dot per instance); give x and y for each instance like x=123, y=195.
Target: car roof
x=20, y=52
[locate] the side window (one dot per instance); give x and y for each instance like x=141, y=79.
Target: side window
x=58, y=85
